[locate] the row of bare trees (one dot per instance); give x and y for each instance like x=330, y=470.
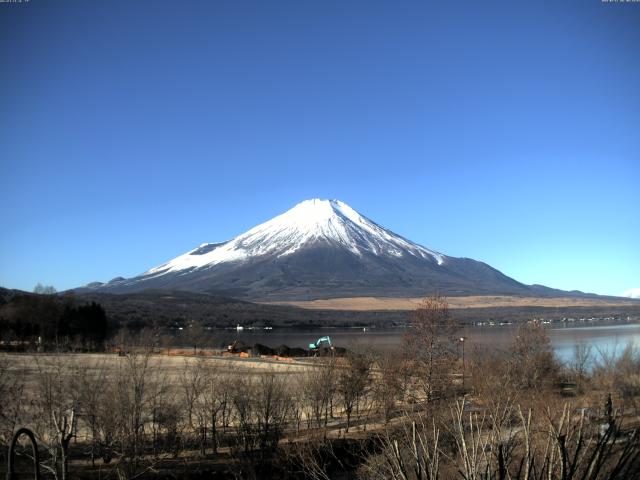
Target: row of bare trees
x=506, y=442
x=411, y=409
x=134, y=410
x=515, y=423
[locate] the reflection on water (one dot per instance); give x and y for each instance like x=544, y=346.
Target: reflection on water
x=604, y=340
x=608, y=339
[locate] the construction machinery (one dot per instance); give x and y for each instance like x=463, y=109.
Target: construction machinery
x=321, y=342
x=236, y=346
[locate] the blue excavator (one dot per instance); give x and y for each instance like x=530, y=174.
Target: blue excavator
x=321, y=342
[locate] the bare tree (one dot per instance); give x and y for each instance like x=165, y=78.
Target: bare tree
x=243, y=402
x=491, y=374
x=410, y=452
x=431, y=345
x=532, y=360
x=192, y=382
x=44, y=289
x=579, y=365
x=315, y=457
x=163, y=411
x=387, y=382
x=65, y=427
x=213, y=402
x=56, y=402
x=319, y=390
x=296, y=389
x=353, y=381
x=108, y=419
x=133, y=394
x=617, y=372
x=627, y=380
x=12, y=387
x=272, y=408
x=514, y=443
x=582, y=449
x=91, y=383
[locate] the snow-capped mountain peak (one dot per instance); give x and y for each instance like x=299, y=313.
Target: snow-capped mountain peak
x=312, y=221
x=321, y=249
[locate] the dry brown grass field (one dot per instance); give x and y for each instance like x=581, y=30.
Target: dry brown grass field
x=411, y=303
x=171, y=368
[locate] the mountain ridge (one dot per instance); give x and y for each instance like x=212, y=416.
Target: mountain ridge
x=323, y=249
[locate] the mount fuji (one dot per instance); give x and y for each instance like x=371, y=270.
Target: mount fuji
x=321, y=249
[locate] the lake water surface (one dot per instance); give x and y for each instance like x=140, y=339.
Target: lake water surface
x=606, y=338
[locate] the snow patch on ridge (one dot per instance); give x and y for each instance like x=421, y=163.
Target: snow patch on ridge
x=315, y=220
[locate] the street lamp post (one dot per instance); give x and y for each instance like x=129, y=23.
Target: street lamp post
x=462, y=339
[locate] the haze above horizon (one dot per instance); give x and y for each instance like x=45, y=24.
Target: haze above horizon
x=131, y=132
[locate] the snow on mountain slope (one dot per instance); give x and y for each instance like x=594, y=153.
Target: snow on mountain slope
x=321, y=249
x=327, y=221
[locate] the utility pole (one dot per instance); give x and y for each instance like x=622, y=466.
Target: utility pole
x=462, y=339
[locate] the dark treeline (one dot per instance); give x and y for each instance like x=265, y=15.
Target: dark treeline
x=25, y=316
x=164, y=308
x=46, y=321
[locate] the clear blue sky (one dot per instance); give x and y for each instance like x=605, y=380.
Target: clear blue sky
x=508, y=132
